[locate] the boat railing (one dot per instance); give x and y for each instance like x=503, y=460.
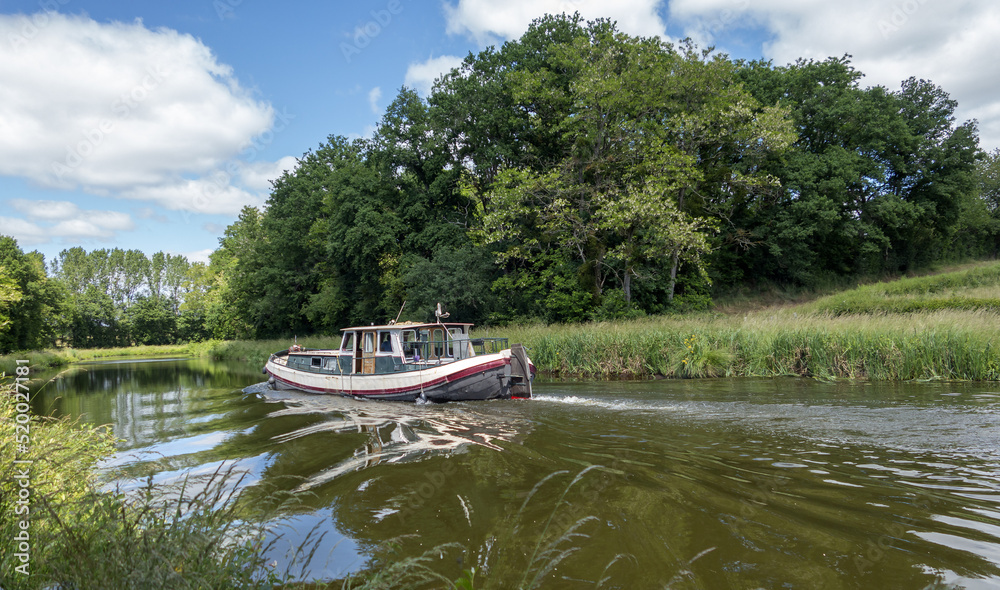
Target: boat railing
x=489, y=345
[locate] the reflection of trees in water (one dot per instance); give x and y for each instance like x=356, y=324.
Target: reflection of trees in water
x=144, y=402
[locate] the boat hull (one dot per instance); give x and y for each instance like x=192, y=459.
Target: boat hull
x=479, y=378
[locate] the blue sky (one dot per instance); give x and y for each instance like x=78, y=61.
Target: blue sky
x=149, y=124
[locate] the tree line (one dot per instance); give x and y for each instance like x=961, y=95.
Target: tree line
x=576, y=173
x=101, y=298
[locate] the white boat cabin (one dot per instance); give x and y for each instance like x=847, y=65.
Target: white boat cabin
x=394, y=348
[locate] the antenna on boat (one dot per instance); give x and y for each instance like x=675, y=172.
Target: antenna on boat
x=393, y=322
x=440, y=314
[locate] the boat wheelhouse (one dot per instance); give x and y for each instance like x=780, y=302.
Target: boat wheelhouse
x=408, y=361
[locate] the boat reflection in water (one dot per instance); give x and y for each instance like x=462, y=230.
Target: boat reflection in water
x=395, y=433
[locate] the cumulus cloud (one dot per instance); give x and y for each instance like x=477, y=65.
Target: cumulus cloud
x=421, y=76
x=25, y=232
x=950, y=43
x=44, y=220
x=374, y=95
x=257, y=176
x=119, y=109
x=203, y=256
x=485, y=21
x=211, y=195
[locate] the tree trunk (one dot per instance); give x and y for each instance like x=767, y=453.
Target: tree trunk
x=627, y=286
x=673, y=276
x=676, y=257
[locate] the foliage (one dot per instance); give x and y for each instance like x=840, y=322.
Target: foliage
x=30, y=303
x=876, y=182
x=193, y=534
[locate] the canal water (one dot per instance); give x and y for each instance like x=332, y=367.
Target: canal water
x=777, y=483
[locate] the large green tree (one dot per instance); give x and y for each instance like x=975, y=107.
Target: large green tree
x=875, y=182
x=30, y=303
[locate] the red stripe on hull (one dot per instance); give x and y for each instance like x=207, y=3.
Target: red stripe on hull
x=414, y=390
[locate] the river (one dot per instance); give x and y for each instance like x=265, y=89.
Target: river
x=778, y=483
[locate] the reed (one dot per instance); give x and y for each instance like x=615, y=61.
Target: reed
x=948, y=344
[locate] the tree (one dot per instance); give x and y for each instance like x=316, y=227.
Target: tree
x=656, y=144
x=874, y=183
x=230, y=311
x=151, y=320
x=29, y=302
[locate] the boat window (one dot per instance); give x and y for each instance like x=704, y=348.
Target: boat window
x=437, y=337
x=369, y=342
x=385, y=341
x=317, y=361
x=348, y=342
x=451, y=341
x=409, y=338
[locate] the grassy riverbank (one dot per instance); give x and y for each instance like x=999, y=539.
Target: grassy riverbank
x=944, y=344
x=942, y=326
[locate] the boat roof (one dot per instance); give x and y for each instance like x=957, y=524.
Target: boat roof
x=405, y=326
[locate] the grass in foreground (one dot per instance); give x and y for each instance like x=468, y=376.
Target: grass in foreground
x=193, y=535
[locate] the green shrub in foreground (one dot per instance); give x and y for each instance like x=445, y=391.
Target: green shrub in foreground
x=180, y=537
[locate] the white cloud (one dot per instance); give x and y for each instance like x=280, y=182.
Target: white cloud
x=374, y=95
x=257, y=176
x=45, y=220
x=212, y=195
x=197, y=255
x=25, y=232
x=118, y=109
x=485, y=20
x=421, y=76
x=952, y=44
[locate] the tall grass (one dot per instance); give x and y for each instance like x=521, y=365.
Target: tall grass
x=195, y=534
x=960, y=345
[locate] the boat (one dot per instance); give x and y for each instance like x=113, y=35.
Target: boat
x=434, y=362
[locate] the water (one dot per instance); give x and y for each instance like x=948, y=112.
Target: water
x=784, y=483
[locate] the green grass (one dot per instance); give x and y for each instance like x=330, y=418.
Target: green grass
x=944, y=326
x=949, y=344
x=44, y=359
x=976, y=288
x=256, y=352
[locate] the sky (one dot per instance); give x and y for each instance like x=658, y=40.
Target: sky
x=150, y=125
